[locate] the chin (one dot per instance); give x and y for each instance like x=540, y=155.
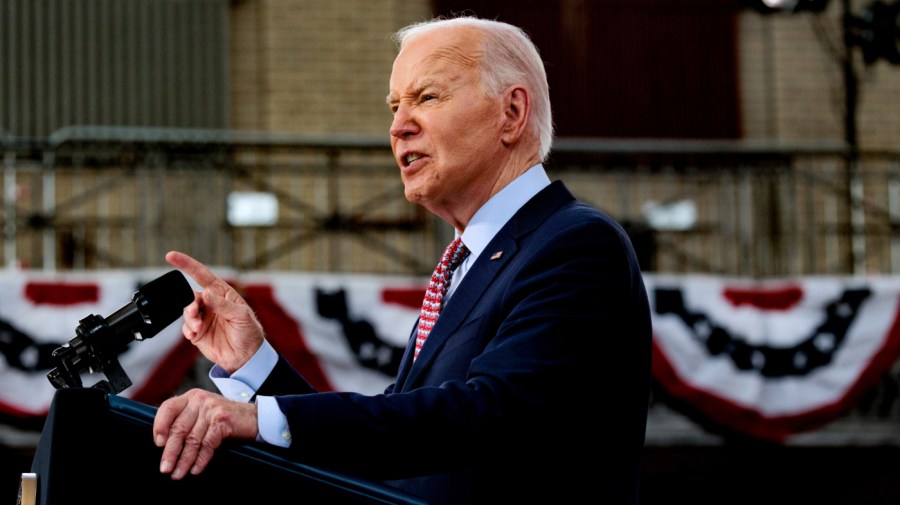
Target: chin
x=412, y=196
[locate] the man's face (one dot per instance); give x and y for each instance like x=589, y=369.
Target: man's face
x=446, y=133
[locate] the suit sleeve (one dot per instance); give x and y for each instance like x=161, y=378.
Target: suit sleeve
x=283, y=379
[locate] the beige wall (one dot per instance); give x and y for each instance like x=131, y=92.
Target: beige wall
x=321, y=66
x=793, y=82
x=315, y=66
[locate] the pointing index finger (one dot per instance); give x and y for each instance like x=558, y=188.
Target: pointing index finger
x=198, y=271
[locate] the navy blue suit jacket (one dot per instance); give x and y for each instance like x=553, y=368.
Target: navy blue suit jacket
x=533, y=384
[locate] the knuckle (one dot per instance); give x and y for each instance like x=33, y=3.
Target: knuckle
x=179, y=431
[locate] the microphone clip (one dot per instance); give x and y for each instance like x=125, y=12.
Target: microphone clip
x=94, y=349
x=99, y=341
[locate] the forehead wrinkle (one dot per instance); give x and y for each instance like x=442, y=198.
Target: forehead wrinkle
x=456, y=55
x=452, y=53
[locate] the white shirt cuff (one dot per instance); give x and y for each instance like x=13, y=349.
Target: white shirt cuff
x=242, y=386
x=244, y=382
x=272, y=424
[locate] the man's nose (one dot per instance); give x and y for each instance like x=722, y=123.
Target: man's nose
x=404, y=123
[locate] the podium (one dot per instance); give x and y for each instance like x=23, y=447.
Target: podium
x=97, y=448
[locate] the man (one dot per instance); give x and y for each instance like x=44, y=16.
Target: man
x=533, y=380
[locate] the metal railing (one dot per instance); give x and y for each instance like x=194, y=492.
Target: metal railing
x=118, y=197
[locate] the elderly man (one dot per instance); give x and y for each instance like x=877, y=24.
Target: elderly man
x=527, y=376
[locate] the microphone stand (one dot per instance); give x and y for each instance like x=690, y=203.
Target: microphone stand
x=94, y=349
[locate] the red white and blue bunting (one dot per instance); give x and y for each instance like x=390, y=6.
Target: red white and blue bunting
x=773, y=358
x=764, y=358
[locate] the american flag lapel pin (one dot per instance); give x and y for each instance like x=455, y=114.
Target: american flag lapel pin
x=496, y=255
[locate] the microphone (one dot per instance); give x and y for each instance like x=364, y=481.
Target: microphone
x=99, y=341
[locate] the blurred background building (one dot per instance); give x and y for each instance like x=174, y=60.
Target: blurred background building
x=738, y=139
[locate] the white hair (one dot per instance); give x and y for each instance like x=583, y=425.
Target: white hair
x=508, y=57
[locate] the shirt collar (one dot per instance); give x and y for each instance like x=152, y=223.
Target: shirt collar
x=494, y=214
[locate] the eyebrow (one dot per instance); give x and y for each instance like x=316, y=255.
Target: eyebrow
x=391, y=99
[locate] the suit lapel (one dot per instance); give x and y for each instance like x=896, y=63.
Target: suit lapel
x=480, y=275
x=407, y=361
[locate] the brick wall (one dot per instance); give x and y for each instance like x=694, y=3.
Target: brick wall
x=317, y=66
x=793, y=83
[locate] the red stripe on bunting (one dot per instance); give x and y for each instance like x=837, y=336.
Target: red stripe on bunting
x=765, y=299
x=407, y=297
x=16, y=412
x=59, y=293
x=168, y=375
x=285, y=334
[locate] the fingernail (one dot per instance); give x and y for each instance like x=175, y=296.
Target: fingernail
x=160, y=440
x=195, y=470
x=164, y=467
x=178, y=473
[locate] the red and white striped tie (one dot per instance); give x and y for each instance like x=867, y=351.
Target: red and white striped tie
x=455, y=253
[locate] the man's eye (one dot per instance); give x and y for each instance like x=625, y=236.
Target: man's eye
x=426, y=98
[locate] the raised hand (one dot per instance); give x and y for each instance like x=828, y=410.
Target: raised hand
x=219, y=322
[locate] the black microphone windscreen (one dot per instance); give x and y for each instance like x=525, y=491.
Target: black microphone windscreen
x=166, y=297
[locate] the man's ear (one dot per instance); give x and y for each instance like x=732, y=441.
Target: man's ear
x=516, y=111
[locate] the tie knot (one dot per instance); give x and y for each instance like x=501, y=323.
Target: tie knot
x=455, y=254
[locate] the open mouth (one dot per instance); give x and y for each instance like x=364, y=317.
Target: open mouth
x=410, y=158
